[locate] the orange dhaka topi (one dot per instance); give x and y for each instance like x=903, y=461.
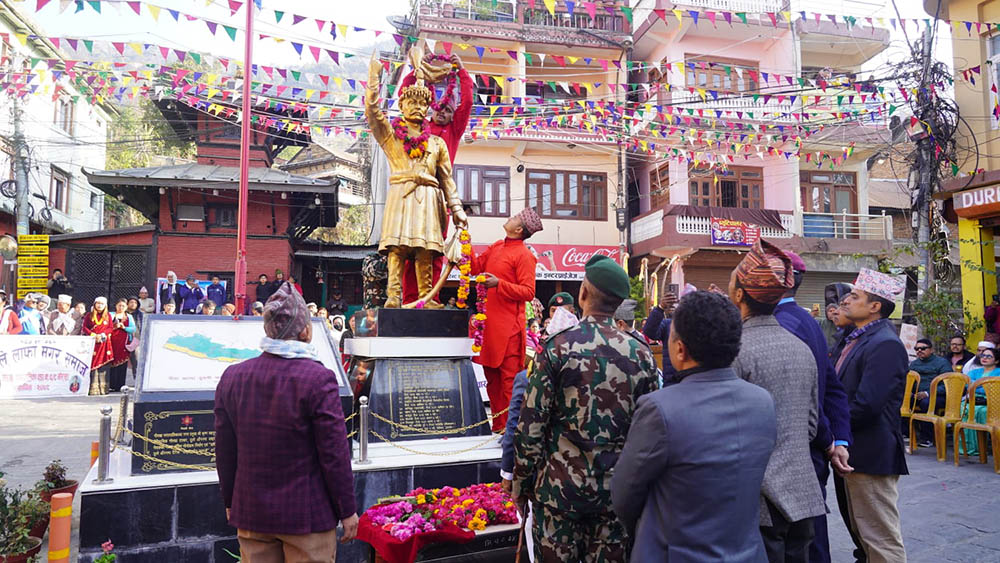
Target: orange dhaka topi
x=765, y=273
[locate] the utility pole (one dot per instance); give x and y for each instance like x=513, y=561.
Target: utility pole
x=925, y=165
x=20, y=171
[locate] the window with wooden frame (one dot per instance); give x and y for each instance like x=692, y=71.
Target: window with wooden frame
x=59, y=190
x=488, y=186
x=993, y=72
x=659, y=187
x=568, y=194
x=64, y=114
x=829, y=192
x=727, y=76
x=736, y=186
x=222, y=215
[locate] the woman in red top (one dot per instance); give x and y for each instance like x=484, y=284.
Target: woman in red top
x=122, y=329
x=98, y=324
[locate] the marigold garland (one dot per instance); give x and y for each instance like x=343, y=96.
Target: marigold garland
x=464, y=271
x=414, y=147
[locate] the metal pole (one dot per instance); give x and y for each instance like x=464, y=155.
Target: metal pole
x=240, y=274
x=105, y=447
x=363, y=432
x=20, y=171
x=119, y=437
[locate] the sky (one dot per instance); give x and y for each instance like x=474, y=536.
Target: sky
x=124, y=24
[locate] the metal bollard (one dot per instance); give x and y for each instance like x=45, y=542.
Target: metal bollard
x=363, y=432
x=119, y=436
x=105, y=447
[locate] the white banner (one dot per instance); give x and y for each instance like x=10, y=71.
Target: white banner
x=45, y=366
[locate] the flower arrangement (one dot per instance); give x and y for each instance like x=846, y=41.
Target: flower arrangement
x=415, y=147
x=449, y=91
x=479, y=319
x=427, y=510
x=464, y=268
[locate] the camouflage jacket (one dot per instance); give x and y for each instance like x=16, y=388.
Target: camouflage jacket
x=576, y=414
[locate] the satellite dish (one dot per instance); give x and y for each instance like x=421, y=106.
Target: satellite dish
x=8, y=247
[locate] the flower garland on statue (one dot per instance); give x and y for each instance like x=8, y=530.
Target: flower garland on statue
x=427, y=510
x=464, y=269
x=416, y=147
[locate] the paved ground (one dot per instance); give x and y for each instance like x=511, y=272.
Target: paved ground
x=949, y=513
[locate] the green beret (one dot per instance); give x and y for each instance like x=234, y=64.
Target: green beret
x=607, y=276
x=561, y=298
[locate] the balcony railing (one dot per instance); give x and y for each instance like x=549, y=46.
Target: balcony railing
x=731, y=102
x=703, y=226
x=847, y=226
x=519, y=21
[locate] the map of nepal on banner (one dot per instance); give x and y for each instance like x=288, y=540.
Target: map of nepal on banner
x=729, y=232
x=557, y=261
x=45, y=366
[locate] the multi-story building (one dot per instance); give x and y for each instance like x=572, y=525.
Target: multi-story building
x=971, y=199
x=749, y=129
x=549, y=90
x=63, y=128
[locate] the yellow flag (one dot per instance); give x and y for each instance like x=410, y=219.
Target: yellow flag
x=677, y=14
x=339, y=81
x=550, y=5
x=23, y=38
x=154, y=11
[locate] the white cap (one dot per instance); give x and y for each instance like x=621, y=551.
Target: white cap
x=986, y=344
x=63, y=298
x=101, y=300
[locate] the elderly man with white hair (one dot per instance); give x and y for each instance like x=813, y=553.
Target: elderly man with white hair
x=61, y=322
x=170, y=291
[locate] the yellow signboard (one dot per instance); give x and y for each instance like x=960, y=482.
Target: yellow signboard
x=32, y=271
x=33, y=250
x=32, y=239
x=33, y=260
x=22, y=292
x=33, y=283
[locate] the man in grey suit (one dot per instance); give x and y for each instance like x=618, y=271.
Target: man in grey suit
x=776, y=360
x=687, y=484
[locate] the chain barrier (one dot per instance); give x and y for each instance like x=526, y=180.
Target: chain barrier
x=177, y=449
x=348, y=419
x=491, y=438
x=352, y=434
x=171, y=463
x=489, y=420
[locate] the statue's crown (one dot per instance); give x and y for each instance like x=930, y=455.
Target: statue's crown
x=416, y=92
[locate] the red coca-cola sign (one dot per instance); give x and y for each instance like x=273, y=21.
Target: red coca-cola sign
x=561, y=261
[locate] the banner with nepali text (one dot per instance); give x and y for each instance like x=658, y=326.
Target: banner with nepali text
x=45, y=366
x=730, y=232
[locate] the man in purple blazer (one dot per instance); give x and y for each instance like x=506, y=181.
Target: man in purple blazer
x=281, y=447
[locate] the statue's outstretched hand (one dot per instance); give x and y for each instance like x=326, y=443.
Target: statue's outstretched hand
x=374, y=72
x=460, y=219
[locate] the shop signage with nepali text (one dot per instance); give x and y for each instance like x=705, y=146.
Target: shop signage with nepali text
x=45, y=366
x=33, y=261
x=730, y=232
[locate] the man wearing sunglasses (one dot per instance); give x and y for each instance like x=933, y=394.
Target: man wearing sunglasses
x=928, y=365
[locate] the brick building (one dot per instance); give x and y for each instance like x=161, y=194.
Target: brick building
x=192, y=209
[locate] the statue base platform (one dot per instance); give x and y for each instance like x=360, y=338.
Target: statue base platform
x=181, y=517
x=412, y=323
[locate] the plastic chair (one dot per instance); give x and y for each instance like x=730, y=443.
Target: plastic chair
x=954, y=387
x=992, y=426
x=909, y=394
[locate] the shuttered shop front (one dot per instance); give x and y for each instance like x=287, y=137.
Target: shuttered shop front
x=814, y=284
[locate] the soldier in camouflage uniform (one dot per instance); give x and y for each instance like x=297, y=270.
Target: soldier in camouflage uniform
x=573, y=424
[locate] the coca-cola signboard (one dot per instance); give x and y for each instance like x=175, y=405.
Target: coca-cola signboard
x=559, y=261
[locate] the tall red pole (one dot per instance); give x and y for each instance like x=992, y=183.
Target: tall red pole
x=240, y=277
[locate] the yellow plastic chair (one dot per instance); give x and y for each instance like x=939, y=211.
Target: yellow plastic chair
x=992, y=426
x=954, y=387
x=909, y=394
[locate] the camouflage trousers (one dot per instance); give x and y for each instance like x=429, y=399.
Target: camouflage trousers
x=561, y=537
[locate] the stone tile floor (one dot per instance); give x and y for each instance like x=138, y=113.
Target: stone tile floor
x=949, y=514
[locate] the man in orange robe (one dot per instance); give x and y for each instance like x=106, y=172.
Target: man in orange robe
x=510, y=281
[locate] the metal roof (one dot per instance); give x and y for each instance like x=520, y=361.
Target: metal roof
x=198, y=175
x=339, y=251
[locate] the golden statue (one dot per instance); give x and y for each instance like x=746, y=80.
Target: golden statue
x=421, y=187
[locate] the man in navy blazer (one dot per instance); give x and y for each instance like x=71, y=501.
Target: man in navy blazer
x=687, y=484
x=833, y=432
x=873, y=368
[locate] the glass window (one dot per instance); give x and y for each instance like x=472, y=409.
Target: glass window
x=486, y=186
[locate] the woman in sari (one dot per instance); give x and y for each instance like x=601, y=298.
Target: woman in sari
x=122, y=329
x=97, y=323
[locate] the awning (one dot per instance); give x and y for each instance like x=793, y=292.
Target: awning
x=763, y=217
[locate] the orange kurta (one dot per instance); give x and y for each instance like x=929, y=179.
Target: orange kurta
x=511, y=262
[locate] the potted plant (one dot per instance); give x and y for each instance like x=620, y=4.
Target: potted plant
x=17, y=545
x=37, y=512
x=54, y=481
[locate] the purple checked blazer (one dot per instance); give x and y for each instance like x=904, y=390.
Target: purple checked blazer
x=281, y=447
